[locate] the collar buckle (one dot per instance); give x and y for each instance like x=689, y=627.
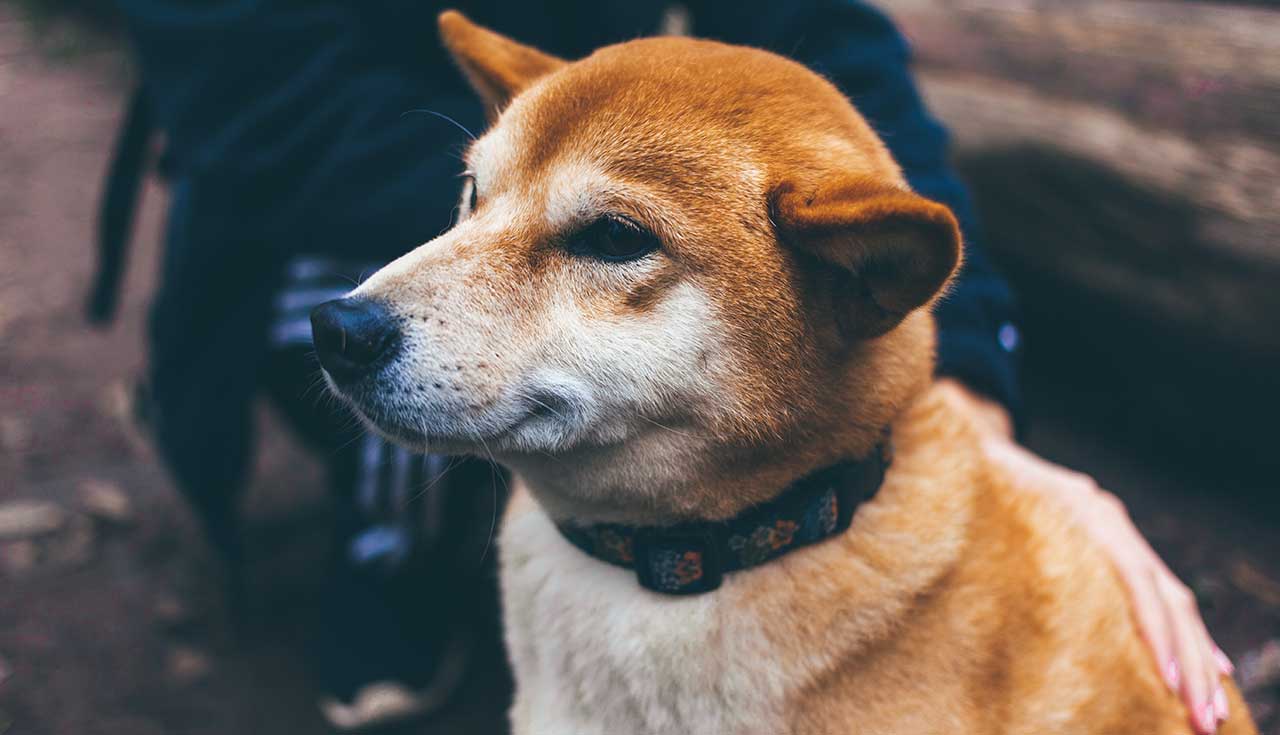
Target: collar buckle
x=676, y=561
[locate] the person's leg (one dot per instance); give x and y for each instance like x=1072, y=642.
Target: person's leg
x=205, y=353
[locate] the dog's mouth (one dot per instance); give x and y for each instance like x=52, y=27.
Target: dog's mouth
x=518, y=424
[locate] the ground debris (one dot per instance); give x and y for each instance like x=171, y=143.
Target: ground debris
x=186, y=665
x=26, y=519
x=170, y=612
x=1260, y=669
x=105, y=501
x=38, y=534
x=1253, y=581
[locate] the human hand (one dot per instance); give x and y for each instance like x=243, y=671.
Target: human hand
x=1165, y=608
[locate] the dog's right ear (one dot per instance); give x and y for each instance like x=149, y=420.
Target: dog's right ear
x=497, y=67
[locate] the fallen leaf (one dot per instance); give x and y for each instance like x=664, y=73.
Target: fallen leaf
x=23, y=519
x=105, y=501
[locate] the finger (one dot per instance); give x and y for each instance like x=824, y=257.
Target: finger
x=1212, y=670
x=1224, y=662
x=1198, y=690
x=1211, y=667
x=1153, y=621
x=1172, y=624
x=1141, y=571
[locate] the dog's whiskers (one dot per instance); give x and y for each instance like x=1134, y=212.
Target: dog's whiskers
x=443, y=116
x=675, y=431
x=435, y=481
x=494, y=476
x=547, y=406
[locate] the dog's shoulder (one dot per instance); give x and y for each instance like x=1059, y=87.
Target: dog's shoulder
x=1008, y=617
x=1068, y=649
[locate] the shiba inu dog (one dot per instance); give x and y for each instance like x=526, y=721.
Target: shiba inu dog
x=687, y=303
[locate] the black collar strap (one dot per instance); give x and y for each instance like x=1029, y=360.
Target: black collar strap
x=692, y=558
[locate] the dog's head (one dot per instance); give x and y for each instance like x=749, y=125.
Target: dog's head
x=671, y=257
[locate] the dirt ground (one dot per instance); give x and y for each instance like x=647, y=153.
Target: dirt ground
x=111, y=620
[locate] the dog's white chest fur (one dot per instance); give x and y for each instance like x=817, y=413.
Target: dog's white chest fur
x=596, y=654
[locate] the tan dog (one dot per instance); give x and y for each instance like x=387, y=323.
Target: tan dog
x=687, y=274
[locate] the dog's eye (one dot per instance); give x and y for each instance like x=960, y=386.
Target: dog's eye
x=468, y=201
x=614, y=238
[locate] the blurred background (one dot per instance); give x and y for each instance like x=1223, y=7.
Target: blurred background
x=1125, y=156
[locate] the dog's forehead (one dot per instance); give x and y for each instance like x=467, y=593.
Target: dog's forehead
x=616, y=149
x=612, y=107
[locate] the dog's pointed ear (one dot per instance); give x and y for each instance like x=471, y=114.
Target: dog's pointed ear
x=497, y=67
x=892, y=251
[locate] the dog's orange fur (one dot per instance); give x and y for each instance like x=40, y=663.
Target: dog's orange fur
x=997, y=616
x=954, y=603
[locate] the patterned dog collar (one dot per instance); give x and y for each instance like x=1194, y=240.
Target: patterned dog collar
x=692, y=558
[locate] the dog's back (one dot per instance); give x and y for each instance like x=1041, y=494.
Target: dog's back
x=1029, y=631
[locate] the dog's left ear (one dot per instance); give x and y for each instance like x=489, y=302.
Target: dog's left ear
x=892, y=250
x=497, y=67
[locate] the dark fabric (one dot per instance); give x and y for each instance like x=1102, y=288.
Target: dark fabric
x=692, y=558
x=396, y=544
x=289, y=129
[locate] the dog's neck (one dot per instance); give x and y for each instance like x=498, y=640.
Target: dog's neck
x=667, y=476
x=688, y=486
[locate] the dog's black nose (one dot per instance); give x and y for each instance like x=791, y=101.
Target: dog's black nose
x=352, y=336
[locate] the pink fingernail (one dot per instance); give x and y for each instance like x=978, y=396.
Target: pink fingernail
x=1171, y=675
x=1220, y=704
x=1208, y=719
x=1224, y=663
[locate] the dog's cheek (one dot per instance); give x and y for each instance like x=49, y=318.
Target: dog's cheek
x=651, y=353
